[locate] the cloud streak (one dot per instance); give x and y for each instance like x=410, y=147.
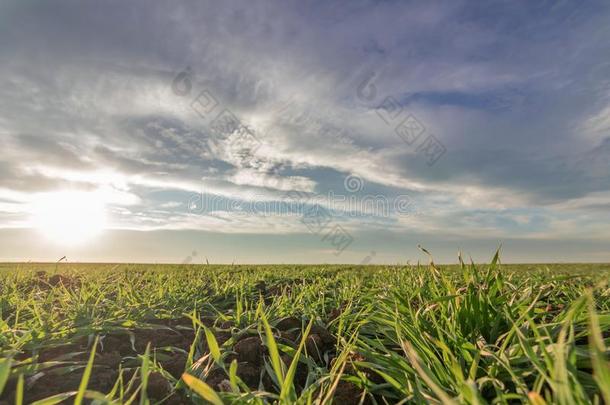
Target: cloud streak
x=518, y=94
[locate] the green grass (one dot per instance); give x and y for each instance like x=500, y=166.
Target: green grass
x=304, y=334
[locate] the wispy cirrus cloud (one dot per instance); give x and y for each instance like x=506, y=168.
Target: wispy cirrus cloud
x=517, y=93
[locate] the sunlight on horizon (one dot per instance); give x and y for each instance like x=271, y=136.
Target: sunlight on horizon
x=69, y=218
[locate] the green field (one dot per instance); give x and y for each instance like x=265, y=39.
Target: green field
x=304, y=334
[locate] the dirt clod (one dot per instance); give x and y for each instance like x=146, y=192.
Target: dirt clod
x=347, y=393
x=249, y=373
x=328, y=340
x=158, y=386
x=66, y=281
x=109, y=359
x=249, y=350
x=289, y=323
x=176, y=364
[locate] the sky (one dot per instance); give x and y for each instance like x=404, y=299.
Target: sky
x=304, y=131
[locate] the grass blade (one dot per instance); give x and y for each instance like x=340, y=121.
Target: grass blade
x=86, y=375
x=287, y=385
x=144, y=372
x=19, y=391
x=202, y=389
x=426, y=375
x=5, y=371
x=212, y=344
x=55, y=399
x=600, y=364
x=274, y=353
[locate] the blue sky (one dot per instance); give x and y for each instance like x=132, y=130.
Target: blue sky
x=307, y=131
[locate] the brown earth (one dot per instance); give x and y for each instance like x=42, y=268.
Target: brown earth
x=170, y=340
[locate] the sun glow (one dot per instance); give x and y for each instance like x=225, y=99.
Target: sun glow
x=69, y=218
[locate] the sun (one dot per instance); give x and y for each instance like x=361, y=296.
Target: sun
x=68, y=217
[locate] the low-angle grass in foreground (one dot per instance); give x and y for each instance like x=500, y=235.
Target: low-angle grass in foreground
x=304, y=334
